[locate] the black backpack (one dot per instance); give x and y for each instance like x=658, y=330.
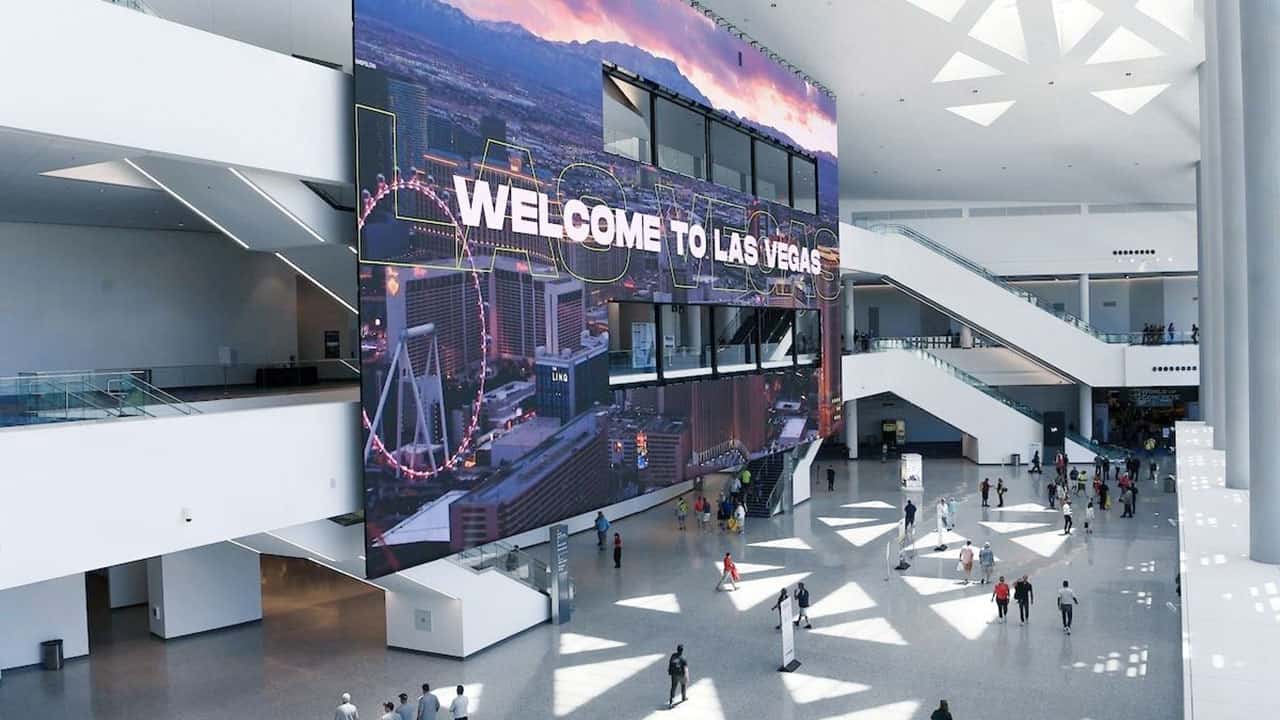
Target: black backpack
x=675, y=666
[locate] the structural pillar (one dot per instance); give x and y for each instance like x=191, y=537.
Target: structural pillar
x=850, y=410
x=1260, y=55
x=1235, y=282
x=1086, y=410
x=1084, y=298
x=204, y=588
x=1209, y=226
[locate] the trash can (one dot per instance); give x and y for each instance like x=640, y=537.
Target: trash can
x=1170, y=485
x=51, y=654
x=1015, y=459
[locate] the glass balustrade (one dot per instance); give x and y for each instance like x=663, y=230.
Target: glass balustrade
x=510, y=561
x=38, y=398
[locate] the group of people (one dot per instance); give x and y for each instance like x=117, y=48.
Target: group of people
x=1024, y=595
x=985, y=490
x=426, y=707
x=1158, y=334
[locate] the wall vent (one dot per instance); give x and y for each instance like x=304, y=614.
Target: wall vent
x=1140, y=207
x=1025, y=210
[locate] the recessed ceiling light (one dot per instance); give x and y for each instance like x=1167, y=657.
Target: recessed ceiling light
x=1001, y=28
x=963, y=67
x=1074, y=18
x=983, y=113
x=1130, y=100
x=1123, y=45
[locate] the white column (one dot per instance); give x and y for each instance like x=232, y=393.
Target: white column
x=1260, y=53
x=1084, y=297
x=1210, y=218
x=205, y=588
x=850, y=407
x=1235, y=282
x=1085, y=395
x=851, y=428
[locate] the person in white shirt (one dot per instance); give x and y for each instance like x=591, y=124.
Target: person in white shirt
x=346, y=711
x=740, y=515
x=428, y=704
x=458, y=708
x=1067, y=601
x=1066, y=517
x=1088, y=519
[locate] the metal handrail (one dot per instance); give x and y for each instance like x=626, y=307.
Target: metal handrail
x=508, y=560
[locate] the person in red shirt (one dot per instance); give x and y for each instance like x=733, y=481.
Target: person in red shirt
x=617, y=551
x=730, y=573
x=1001, y=597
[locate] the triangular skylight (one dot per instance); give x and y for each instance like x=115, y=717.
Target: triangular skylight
x=945, y=9
x=1001, y=28
x=1130, y=100
x=1177, y=15
x=983, y=113
x=1074, y=18
x=1124, y=45
x=963, y=67
x=111, y=172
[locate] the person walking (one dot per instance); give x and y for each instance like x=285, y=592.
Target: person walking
x=777, y=606
x=389, y=711
x=740, y=517
x=1035, y=464
x=682, y=513
x=602, y=529
x=942, y=713
x=404, y=710
x=1066, y=517
x=617, y=551
x=728, y=573
x=1133, y=499
x=1088, y=519
x=951, y=513
x=1022, y=593
x=1000, y=595
x=697, y=513
x=802, y=601
x=1067, y=601
x=346, y=710
x=428, y=704
x=966, y=561
x=704, y=516
x=460, y=705
x=831, y=479
x=1052, y=491
x=985, y=489
x=987, y=559
x=1000, y=491
x=1126, y=499
x=678, y=671
x=909, y=514
x=724, y=512
x=1082, y=479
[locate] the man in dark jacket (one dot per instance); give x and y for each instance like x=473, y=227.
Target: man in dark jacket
x=678, y=671
x=909, y=512
x=942, y=713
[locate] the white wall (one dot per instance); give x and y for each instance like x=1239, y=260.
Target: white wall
x=127, y=584
x=317, y=312
x=79, y=298
x=236, y=472
x=1054, y=244
x=47, y=610
x=204, y=588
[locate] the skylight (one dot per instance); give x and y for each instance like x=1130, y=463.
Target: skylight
x=1001, y=28
x=945, y=9
x=1124, y=45
x=1074, y=18
x=963, y=67
x=1177, y=15
x=983, y=113
x=1130, y=100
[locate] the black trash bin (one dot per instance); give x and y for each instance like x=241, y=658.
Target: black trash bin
x=51, y=654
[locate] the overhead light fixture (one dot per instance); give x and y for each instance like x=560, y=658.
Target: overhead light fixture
x=188, y=205
x=1177, y=15
x=1074, y=19
x=963, y=67
x=982, y=113
x=1001, y=28
x=1130, y=100
x=945, y=9
x=111, y=172
x=1124, y=45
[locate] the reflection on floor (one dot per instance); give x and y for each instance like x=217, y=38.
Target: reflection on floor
x=879, y=650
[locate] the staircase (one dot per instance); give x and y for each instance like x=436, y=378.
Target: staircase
x=767, y=473
x=509, y=560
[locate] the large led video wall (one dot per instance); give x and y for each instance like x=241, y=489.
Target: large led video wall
x=536, y=173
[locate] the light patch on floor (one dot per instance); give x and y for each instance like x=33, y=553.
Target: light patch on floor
x=930, y=540
x=850, y=597
x=969, y=616
x=753, y=592
x=1025, y=507
x=573, y=643
x=844, y=522
x=1044, y=544
x=1004, y=528
x=932, y=585
x=860, y=536
x=703, y=703
x=871, y=505
x=577, y=685
x=747, y=568
x=791, y=543
x=905, y=710
x=667, y=603
x=805, y=689
x=877, y=630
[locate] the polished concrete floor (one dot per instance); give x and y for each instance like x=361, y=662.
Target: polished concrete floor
x=880, y=649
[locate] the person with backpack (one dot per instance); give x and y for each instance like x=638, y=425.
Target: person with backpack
x=678, y=671
x=802, y=600
x=1000, y=491
x=909, y=514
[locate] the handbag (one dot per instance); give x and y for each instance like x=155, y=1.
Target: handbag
x=959, y=566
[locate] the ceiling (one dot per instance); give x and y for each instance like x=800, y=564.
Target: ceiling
x=28, y=196
x=1056, y=142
